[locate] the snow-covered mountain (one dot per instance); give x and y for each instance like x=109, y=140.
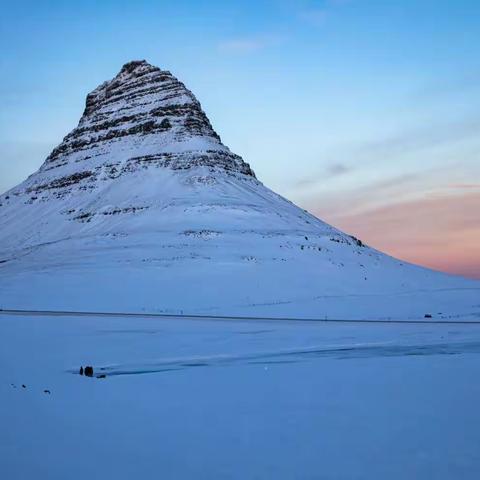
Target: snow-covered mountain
x=142, y=208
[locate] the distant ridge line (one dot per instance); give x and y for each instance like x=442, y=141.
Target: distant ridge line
x=69, y=313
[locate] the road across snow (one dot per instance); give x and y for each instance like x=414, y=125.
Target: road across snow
x=164, y=316
x=186, y=398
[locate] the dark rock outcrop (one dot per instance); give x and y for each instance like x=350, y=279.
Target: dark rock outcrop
x=142, y=106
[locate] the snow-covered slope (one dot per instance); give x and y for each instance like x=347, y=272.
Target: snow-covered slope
x=142, y=208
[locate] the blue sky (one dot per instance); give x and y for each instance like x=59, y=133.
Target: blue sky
x=365, y=112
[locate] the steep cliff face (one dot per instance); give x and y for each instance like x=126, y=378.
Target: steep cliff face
x=141, y=207
x=145, y=117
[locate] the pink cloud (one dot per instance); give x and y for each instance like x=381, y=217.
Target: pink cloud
x=441, y=232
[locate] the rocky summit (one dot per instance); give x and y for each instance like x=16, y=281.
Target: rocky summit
x=148, y=118
x=142, y=208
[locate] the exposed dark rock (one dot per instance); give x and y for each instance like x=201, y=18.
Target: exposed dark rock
x=142, y=100
x=165, y=123
x=63, y=181
x=357, y=241
x=84, y=217
x=89, y=371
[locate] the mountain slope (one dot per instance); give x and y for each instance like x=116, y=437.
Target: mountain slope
x=141, y=207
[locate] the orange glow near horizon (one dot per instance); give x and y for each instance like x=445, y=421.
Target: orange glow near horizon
x=440, y=231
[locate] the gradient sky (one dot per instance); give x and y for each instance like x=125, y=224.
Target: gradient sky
x=366, y=113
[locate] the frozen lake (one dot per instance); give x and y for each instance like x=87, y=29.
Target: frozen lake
x=237, y=399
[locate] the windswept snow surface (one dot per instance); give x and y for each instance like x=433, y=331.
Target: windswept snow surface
x=209, y=399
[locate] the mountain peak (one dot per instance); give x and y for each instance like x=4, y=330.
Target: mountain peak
x=135, y=65
x=144, y=113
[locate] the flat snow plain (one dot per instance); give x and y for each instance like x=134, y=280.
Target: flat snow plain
x=225, y=399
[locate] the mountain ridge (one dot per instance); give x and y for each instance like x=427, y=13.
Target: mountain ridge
x=142, y=207
x=151, y=107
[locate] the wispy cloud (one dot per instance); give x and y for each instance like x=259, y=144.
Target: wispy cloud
x=440, y=87
x=246, y=45
x=465, y=186
x=370, y=195
x=330, y=171
x=317, y=13
x=311, y=12
x=314, y=16
x=336, y=169
x=383, y=152
x=422, y=138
